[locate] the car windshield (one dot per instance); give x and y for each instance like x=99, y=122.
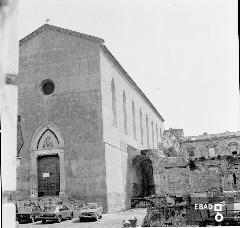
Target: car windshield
x=90, y=206
x=25, y=209
x=49, y=208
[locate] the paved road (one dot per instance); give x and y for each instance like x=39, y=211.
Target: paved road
x=68, y=223
x=107, y=221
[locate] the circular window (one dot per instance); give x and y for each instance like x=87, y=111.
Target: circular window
x=47, y=87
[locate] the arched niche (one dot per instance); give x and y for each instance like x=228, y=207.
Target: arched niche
x=233, y=148
x=143, y=181
x=47, y=137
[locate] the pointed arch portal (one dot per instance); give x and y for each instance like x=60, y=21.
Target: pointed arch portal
x=47, y=176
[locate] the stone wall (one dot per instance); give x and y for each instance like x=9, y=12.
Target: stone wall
x=176, y=176
x=217, y=160
x=200, y=145
x=74, y=108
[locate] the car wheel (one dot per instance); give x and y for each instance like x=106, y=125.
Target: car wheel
x=59, y=219
x=96, y=218
x=33, y=219
x=43, y=221
x=80, y=219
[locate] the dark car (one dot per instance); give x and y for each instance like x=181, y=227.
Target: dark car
x=57, y=212
x=28, y=213
x=91, y=210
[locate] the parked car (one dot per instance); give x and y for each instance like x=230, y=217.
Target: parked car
x=57, y=212
x=91, y=210
x=28, y=213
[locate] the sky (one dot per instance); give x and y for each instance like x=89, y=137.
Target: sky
x=183, y=54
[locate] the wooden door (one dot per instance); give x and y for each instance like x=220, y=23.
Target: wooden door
x=48, y=175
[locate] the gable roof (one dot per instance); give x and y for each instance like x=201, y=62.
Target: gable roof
x=62, y=30
x=98, y=40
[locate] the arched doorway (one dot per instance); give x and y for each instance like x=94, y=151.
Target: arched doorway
x=47, y=176
x=143, y=181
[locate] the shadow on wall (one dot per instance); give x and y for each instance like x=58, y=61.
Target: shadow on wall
x=138, y=175
x=142, y=177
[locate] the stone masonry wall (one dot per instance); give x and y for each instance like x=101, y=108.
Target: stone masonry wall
x=219, y=170
x=175, y=176
x=200, y=147
x=74, y=107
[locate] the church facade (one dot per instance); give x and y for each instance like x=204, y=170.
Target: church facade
x=83, y=120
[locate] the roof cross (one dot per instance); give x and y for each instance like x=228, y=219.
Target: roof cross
x=47, y=20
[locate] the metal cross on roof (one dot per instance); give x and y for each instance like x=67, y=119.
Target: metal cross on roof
x=47, y=20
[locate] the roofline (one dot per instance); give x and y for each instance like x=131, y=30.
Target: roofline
x=62, y=30
x=98, y=40
x=118, y=65
x=209, y=139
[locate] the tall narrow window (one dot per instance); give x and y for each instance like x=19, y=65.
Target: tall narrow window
x=212, y=150
x=114, y=110
x=233, y=148
x=157, y=135
x=152, y=134
x=160, y=135
x=125, y=113
x=141, y=126
x=234, y=178
x=134, y=120
x=147, y=129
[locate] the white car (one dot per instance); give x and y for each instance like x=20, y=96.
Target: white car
x=91, y=210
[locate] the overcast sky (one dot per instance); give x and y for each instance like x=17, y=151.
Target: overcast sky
x=183, y=54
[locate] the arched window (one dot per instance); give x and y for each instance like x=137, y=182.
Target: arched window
x=157, y=135
x=190, y=151
x=152, y=134
x=114, y=110
x=141, y=126
x=134, y=120
x=160, y=131
x=234, y=178
x=147, y=129
x=211, y=150
x=125, y=113
x=233, y=148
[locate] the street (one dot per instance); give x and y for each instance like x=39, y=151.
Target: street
x=107, y=221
